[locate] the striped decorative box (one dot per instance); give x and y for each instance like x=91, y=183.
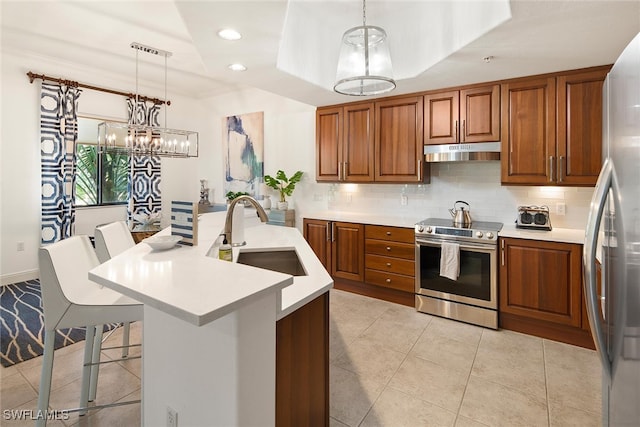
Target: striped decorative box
x=184, y=222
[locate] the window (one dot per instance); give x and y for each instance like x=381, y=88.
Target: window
x=101, y=178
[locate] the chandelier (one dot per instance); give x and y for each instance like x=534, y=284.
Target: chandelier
x=139, y=138
x=364, y=65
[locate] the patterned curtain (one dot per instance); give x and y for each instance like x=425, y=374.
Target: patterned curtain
x=144, y=185
x=58, y=135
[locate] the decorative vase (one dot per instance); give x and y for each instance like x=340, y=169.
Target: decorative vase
x=283, y=206
x=266, y=202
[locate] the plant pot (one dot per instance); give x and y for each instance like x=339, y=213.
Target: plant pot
x=283, y=206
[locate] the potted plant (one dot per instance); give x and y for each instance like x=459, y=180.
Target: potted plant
x=283, y=185
x=231, y=195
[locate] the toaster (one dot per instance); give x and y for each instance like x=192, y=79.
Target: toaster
x=533, y=218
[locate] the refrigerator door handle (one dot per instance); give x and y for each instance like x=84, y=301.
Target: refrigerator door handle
x=596, y=211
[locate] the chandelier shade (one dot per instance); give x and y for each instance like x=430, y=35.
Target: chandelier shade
x=364, y=64
x=139, y=138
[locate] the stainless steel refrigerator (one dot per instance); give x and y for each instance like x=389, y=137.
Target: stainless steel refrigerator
x=613, y=237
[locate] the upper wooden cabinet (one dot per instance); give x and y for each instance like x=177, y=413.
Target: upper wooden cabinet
x=466, y=115
x=528, y=130
x=399, y=140
x=552, y=129
x=579, y=153
x=371, y=142
x=344, y=143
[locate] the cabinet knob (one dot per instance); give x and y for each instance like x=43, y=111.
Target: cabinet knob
x=388, y=248
x=388, y=264
x=388, y=233
x=388, y=280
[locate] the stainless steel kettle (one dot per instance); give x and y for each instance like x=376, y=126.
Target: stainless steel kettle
x=461, y=218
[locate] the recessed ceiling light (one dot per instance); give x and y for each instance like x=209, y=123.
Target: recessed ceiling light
x=237, y=67
x=229, y=34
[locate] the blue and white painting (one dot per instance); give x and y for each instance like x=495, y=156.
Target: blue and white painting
x=243, y=153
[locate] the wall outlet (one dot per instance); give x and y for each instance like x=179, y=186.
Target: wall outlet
x=172, y=417
x=317, y=197
x=20, y=246
x=561, y=208
x=404, y=200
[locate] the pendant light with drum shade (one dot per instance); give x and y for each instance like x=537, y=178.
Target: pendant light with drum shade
x=364, y=65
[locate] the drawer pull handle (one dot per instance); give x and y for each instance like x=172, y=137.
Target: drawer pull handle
x=388, y=280
x=388, y=264
x=388, y=248
x=388, y=233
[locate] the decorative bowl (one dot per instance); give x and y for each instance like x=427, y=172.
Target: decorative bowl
x=161, y=243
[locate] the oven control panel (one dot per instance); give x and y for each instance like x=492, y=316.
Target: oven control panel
x=456, y=233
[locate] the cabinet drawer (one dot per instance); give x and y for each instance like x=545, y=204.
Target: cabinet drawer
x=392, y=249
x=389, y=264
x=390, y=280
x=397, y=234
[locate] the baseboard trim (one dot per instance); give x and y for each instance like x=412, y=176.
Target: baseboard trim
x=23, y=276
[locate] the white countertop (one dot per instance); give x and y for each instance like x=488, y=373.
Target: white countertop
x=366, y=218
x=564, y=235
x=186, y=283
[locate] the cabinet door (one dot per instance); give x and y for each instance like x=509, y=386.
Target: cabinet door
x=528, y=131
x=317, y=233
x=541, y=280
x=580, y=128
x=480, y=114
x=441, y=114
x=329, y=134
x=347, y=251
x=302, y=366
x=358, y=146
x=398, y=140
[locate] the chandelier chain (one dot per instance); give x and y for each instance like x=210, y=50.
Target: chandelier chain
x=364, y=13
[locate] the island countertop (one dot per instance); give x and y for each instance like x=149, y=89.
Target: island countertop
x=188, y=283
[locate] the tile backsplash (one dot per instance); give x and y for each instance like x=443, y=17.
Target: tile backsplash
x=477, y=183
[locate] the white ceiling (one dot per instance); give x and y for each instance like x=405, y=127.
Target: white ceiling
x=541, y=36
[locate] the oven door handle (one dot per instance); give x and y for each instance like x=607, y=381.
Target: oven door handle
x=463, y=246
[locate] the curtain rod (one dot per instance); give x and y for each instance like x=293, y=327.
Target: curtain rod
x=33, y=76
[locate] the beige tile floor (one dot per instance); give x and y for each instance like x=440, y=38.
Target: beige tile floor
x=390, y=366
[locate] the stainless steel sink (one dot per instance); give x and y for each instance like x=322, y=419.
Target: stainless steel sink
x=282, y=261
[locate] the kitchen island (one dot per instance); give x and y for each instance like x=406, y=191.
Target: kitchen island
x=210, y=326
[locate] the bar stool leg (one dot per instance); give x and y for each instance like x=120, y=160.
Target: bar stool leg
x=86, y=368
x=45, y=378
x=95, y=359
x=125, y=339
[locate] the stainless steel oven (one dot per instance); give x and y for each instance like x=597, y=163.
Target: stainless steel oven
x=473, y=296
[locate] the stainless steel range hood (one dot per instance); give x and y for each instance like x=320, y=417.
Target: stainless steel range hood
x=480, y=151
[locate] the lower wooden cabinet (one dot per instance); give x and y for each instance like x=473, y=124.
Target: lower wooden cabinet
x=386, y=272
x=302, y=366
x=541, y=290
x=390, y=257
x=338, y=245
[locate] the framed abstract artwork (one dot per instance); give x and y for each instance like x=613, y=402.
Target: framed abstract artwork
x=243, y=153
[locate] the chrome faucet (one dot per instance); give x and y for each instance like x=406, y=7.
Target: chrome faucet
x=228, y=223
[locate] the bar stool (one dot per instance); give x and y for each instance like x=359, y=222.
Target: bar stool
x=110, y=240
x=71, y=300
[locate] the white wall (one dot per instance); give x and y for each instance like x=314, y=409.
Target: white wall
x=20, y=150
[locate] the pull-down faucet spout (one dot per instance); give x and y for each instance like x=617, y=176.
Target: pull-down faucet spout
x=228, y=224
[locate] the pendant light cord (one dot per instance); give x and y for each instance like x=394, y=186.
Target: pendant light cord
x=364, y=13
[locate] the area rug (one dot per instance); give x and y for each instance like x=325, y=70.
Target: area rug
x=22, y=328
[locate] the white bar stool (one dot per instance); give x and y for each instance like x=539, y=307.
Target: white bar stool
x=71, y=300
